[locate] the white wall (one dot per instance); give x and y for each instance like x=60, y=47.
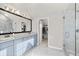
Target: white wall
x=56, y=31
x=54, y=14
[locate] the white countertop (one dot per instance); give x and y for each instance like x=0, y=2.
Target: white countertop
x=16, y=36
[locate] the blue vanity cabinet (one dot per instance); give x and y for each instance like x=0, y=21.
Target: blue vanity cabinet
x=3, y=52
x=10, y=51
x=7, y=51
x=23, y=45
x=6, y=48
x=18, y=45
x=29, y=43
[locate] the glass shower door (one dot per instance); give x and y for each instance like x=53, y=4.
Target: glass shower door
x=77, y=29
x=69, y=30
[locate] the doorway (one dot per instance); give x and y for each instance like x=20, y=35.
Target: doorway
x=43, y=32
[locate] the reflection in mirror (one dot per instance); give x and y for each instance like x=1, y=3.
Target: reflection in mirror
x=23, y=24
x=13, y=23
x=5, y=24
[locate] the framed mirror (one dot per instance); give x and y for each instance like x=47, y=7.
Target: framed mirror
x=13, y=23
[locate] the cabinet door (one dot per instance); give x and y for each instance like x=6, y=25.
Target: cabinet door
x=3, y=52
x=24, y=49
x=33, y=40
x=24, y=44
x=6, y=48
x=8, y=51
x=18, y=47
x=28, y=43
x=18, y=53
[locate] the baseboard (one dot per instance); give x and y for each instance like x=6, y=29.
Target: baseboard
x=55, y=47
x=69, y=52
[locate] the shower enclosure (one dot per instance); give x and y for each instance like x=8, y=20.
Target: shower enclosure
x=71, y=29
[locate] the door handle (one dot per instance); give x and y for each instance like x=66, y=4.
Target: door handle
x=77, y=30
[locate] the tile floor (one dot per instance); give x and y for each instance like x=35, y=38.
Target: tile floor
x=44, y=50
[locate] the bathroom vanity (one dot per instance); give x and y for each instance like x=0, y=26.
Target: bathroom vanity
x=17, y=46
x=12, y=23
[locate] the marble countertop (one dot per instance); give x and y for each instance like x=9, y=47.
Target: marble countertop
x=15, y=37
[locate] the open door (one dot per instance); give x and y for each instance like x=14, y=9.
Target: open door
x=43, y=31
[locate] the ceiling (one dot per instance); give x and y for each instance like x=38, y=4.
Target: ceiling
x=40, y=9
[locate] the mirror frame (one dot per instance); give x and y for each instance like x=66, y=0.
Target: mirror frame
x=18, y=16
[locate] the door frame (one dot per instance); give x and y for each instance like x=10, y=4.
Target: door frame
x=41, y=19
